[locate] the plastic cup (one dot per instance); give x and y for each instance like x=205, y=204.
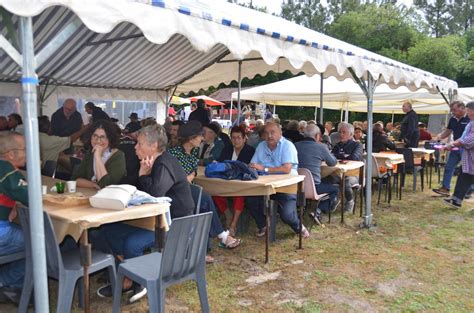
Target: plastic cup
x=60, y=187
x=71, y=186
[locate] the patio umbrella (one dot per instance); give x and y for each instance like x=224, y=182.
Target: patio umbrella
x=179, y=101
x=209, y=101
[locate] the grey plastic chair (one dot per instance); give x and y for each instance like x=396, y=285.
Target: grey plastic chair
x=184, y=258
x=196, y=192
x=411, y=167
x=64, y=267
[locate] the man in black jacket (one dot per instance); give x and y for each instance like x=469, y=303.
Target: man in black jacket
x=200, y=114
x=409, y=132
x=347, y=149
x=96, y=112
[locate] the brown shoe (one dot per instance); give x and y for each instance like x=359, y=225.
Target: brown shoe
x=442, y=191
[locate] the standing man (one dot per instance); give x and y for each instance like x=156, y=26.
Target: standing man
x=409, y=132
x=66, y=120
x=456, y=126
x=13, y=187
x=200, y=114
x=96, y=112
x=276, y=155
x=134, y=124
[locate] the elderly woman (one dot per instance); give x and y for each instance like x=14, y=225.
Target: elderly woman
x=190, y=136
x=103, y=163
x=160, y=175
x=238, y=151
x=380, y=141
x=212, y=145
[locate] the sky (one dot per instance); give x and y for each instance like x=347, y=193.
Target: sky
x=274, y=6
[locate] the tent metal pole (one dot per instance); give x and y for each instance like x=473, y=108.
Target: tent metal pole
x=238, y=91
x=368, y=186
x=29, y=81
x=274, y=109
x=231, y=107
x=393, y=117
x=321, y=96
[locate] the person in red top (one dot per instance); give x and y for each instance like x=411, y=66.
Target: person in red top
x=424, y=134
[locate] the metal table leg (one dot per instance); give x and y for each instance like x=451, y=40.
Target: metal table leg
x=300, y=204
x=86, y=260
x=342, y=186
x=266, y=204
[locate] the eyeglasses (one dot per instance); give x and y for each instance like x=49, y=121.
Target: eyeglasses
x=99, y=138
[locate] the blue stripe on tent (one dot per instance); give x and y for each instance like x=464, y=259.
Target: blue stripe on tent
x=226, y=22
x=325, y=47
x=29, y=80
x=290, y=38
x=314, y=44
x=275, y=35
x=260, y=31
x=302, y=42
x=244, y=27
x=207, y=16
x=349, y=53
x=158, y=3
x=184, y=10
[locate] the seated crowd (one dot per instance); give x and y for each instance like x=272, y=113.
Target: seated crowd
x=164, y=160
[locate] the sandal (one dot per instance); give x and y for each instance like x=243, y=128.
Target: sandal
x=230, y=244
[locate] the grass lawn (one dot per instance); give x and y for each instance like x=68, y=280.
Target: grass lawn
x=419, y=257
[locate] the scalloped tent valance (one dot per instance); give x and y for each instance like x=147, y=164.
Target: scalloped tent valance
x=194, y=44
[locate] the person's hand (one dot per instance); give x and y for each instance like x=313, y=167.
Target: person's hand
x=256, y=166
x=98, y=150
x=13, y=214
x=457, y=143
x=145, y=165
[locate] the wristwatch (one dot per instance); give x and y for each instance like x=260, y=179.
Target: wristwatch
x=265, y=170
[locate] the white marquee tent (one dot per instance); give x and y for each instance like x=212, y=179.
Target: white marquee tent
x=342, y=95
x=156, y=45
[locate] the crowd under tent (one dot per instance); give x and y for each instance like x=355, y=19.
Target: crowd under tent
x=156, y=45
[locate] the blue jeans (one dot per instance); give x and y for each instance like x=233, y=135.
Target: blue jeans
x=124, y=239
x=454, y=158
x=330, y=189
x=286, y=209
x=11, y=241
x=207, y=205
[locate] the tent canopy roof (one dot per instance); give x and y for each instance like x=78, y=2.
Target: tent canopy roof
x=195, y=44
x=305, y=91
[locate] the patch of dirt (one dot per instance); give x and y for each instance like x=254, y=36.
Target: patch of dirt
x=262, y=278
x=392, y=287
x=355, y=303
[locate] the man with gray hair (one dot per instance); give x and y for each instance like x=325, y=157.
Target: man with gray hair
x=346, y=149
x=409, y=132
x=310, y=155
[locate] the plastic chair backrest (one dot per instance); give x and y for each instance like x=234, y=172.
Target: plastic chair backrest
x=196, y=193
x=309, y=187
x=53, y=255
x=186, y=246
x=375, y=166
x=408, y=156
x=49, y=168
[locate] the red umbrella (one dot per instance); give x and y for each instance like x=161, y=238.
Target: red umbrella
x=209, y=101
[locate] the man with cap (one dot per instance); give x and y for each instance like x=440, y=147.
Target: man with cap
x=134, y=124
x=212, y=145
x=200, y=114
x=96, y=112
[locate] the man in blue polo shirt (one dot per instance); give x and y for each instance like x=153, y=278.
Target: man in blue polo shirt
x=457, y=124
x=276, y=155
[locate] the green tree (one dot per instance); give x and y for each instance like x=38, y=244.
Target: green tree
x=311, y=14
x=338, y=8
x=384, y=29
x=462, y=12
x=437, y=14
x=441, y=56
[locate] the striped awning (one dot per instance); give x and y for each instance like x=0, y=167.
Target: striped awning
x=154, y=44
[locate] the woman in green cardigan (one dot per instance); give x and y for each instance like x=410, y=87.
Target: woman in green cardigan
x=103, y=163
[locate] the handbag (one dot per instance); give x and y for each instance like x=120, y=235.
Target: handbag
x=113, y=197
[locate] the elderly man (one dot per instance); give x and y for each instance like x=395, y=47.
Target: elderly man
x=409, y=132
x=13, y=187
x=276, y=155
x=96, y=112
x=456, y=126
x=66, y=120
x=310, y=155
x=134, y=124
x=346, y=149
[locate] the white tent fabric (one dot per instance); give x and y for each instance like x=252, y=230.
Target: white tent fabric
x=342, y=95
x=466, y=94
x=179, y=42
